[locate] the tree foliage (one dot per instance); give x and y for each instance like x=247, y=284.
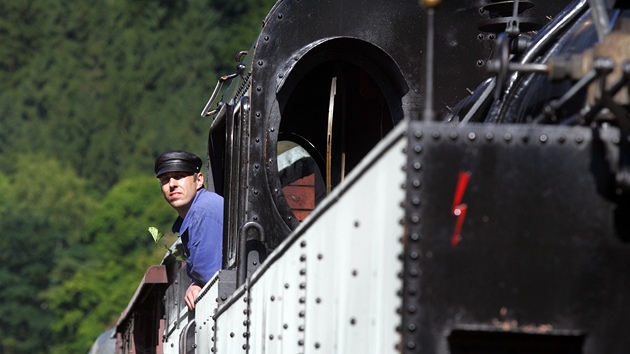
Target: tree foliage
x=43, y=207
x=91, y=92
x=120, y=250
x=106, y=84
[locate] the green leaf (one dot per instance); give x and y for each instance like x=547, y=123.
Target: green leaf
x=155, y=233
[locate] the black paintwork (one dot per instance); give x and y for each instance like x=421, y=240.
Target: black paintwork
x=301, y=46
x=540, y=251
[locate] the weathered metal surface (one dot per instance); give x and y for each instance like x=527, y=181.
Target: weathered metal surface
x=509, y=236
x=335, y=278
x=140, y=325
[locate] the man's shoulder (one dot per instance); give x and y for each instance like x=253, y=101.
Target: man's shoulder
x=207, y=197
x=208, y=202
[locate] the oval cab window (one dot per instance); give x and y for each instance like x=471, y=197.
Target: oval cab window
x=300, y=178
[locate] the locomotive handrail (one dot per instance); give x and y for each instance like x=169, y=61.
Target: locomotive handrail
x=206, y=110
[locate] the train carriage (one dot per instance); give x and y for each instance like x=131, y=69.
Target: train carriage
x=359, y=218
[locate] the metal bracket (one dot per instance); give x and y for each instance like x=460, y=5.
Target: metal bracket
x=206, y=110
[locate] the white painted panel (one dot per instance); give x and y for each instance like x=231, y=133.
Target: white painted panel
x=276, y=306
x=332, y=286
x=204, y=310
x=230, y=326
x=353, y=264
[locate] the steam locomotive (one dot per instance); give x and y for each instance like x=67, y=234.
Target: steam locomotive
x=361, y=219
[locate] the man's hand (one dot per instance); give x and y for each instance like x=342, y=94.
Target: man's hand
x=191, y=295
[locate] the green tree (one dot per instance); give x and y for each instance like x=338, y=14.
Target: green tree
x=43, y=204
x=121, y=250
x=91, y=92
x=107, y=85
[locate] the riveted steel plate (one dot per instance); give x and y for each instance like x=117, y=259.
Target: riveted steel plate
x=508, y=236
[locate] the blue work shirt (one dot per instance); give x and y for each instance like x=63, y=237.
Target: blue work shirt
x=201, y=232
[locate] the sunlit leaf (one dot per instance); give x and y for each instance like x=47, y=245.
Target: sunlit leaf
x=155, y=233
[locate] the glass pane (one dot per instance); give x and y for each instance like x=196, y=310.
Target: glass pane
x=300, y=178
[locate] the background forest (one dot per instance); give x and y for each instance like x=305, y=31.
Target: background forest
x=90, y=93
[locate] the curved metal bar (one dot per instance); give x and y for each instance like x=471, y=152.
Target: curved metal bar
x=242, y=259
x=206, y=109
x=549, y=36
x=539, y=44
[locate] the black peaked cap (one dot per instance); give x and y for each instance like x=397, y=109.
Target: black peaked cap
x=177, y=161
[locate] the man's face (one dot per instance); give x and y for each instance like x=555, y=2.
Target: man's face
x=180, y=188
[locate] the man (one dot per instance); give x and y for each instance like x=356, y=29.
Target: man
x=200, y=221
